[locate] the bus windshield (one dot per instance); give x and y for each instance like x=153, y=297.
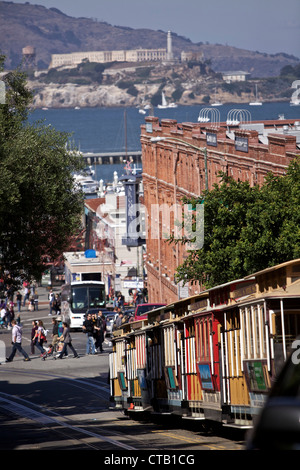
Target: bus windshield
x=85, y=297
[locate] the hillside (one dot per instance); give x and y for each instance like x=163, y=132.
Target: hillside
x=51, y=31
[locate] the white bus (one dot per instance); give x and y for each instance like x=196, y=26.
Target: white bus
x=79, y=297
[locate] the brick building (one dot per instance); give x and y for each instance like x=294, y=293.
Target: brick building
x=183, y=160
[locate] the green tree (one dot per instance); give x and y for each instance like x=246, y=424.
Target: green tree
x=246, y=228
x=272, y=231
x=39, y=209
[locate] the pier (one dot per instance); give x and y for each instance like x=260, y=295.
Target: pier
x=107, y=158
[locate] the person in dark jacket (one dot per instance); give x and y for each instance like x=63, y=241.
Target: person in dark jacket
x=33, y=333
x=88, y=329
x=54, y=333
x=100, y=328
x=56, y=305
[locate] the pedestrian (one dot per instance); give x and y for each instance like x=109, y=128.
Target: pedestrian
x=54, y=333
x=9, y=317
x=26, y=295
x=51, y=300
x=36, y=301
x=56, y=304
x=66, y=338
x=40, y=337
x=31, y=304
x=119, y=320
x=19, y=300
x=33, y=333
x=3, y=317
x=120, y=302
x=100, y=328
x=94, y=321
x=88, y=329
x=11, y=308
x=60, y=326
x=17, y=342
x=59, y=345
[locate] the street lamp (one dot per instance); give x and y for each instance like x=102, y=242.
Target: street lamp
x=203, y=150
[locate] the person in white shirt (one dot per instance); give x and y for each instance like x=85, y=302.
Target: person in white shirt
x=16, y=341
x=3, y=317
x=51, y=298
x=26, y=295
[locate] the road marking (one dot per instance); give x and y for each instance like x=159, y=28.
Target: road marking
x=189, y=440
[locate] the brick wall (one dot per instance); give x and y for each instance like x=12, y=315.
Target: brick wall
x=175, y=167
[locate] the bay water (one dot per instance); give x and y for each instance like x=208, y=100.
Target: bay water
x=114, y=129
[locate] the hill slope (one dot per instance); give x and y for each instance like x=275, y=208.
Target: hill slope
x=51, y=31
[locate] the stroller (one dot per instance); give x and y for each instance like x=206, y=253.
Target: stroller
x=53, y=350
x=48, y=352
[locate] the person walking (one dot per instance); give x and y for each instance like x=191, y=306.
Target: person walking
x=100, y=328
x=59, y=345
x=19, y=300
x=56, y=305
x=36, y=301
x=17, y=342
x=26, y=295
x=66, y=338
x=9, y=317
x=88, y=329
x=54, y=333
x=3, y=316
x=51, y=298
x=40, y=337
x=33, y=333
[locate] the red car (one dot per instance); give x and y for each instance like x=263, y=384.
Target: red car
x=142, y=309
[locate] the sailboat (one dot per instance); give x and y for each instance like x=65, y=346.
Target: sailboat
x=164, y=104
x=256, y=102
x=216, y=102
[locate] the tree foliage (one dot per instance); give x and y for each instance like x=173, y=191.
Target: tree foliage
x=39, y=209
x=246, y=228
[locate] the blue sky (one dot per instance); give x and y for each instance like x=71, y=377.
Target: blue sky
x=269, y=26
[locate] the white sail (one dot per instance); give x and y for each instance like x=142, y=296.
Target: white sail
x=164, y=104
x=256, y=102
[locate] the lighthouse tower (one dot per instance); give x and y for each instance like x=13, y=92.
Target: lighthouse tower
x=169, y=47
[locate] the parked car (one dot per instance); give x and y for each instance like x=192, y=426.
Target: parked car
x=278, y=425
x=141, y=311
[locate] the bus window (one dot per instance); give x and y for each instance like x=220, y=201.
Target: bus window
x=96, y=297
x=79, y=298
x=84, y=298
